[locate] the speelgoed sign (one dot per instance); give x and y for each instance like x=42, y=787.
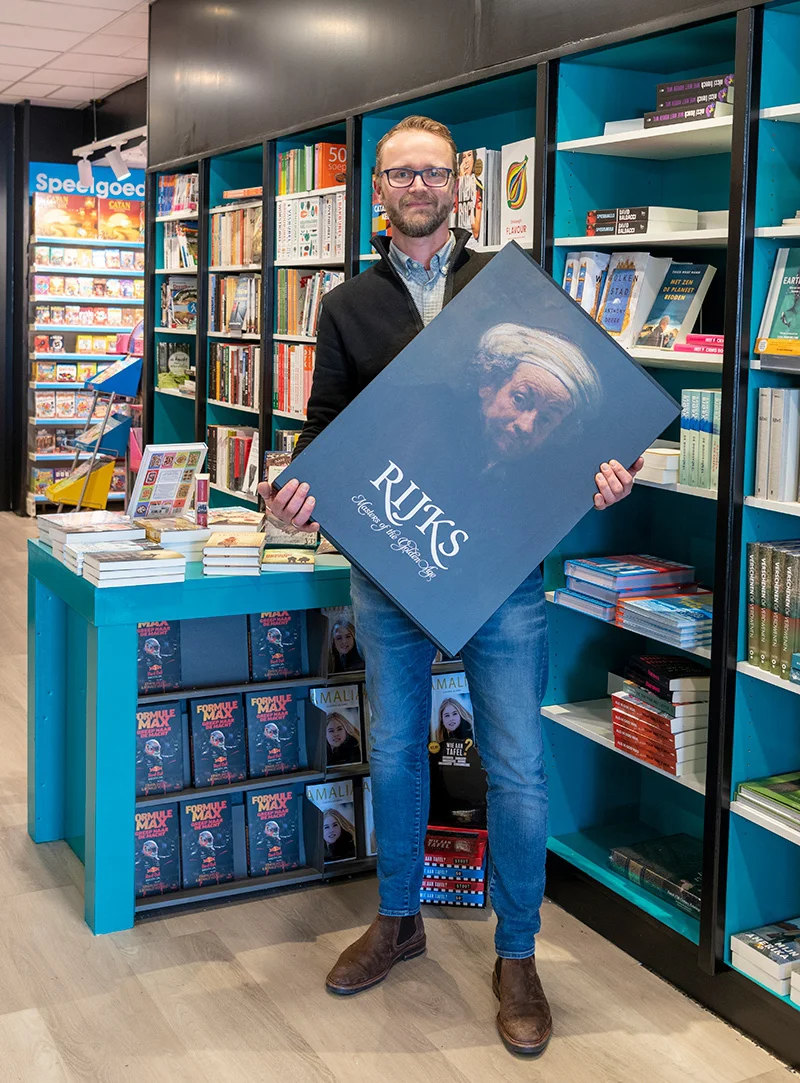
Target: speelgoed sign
x=465, y=462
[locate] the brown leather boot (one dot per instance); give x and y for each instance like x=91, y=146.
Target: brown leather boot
x=370, y=958
x=524, y=1019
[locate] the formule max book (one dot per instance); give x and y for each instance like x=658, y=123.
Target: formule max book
x=526, y=397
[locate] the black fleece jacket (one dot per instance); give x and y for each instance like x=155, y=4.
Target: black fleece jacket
x=364, y=324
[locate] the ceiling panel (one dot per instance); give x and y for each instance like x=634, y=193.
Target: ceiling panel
x=67, y=52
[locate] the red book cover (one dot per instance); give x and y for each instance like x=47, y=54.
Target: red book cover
x=644, y=751
x=455, y=847
x=467, y=887
x=640, y=732
x=331, y=162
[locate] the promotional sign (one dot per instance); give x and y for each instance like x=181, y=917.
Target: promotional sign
x=61, y=178
x=474, y=452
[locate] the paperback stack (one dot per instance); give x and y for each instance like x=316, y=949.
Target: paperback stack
x=712, y=345
x=660, y=714
x=680, y=620
x=669, y=867
x=65, y=528
x=704, y=97
x=701, y=413
x=149, y=566
x=73, y=555
x=778, y=444
x=661, y=465
x=455, y=866
x=233, y=554
x=288, y=560
x=778, y=795
x=179, y=534
x=771, y=955
x=596, y=585
x=620, y=221
x=773, y=605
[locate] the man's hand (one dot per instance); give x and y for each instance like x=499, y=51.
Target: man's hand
x=614, y=482
x=291, y=505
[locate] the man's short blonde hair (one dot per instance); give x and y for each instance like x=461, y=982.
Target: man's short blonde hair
x=419, y=124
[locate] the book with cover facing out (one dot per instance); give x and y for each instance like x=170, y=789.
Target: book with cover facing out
x=207, y=841
x=343, y=740
x=159, y=662
x=632, y=283
x=516, y=208
x=779, y=332
x=219, y=756
x=677, y=306
x=278, y=645
x=274, y=830
x=335, y=802
x=273, y=739
x=159, y=749
x=410, y=513
x=156, y=863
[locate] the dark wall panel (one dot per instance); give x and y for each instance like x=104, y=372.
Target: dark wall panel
x=7, y=382
x=118, y=112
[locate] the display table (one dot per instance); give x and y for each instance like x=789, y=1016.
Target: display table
x=82, y=697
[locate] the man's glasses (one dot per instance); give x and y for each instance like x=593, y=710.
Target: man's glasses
x=433, y=177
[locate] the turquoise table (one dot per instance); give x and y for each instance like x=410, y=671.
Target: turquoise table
x=82, y=695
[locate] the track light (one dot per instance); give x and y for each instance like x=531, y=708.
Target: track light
x=85, y=172
x=118, y=164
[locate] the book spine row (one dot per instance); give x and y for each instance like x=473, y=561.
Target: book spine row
x=773, y=605
x=299, y=297
x=236, y=237
x=177, y=192
x=293, y=372
x=234, y=374
x=311, y=228
x=234, y=303
x=230, y=454
x=777, y=473
x=701, y=415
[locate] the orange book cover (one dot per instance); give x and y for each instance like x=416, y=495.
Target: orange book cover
x=120, y=219
x=57, y=215
x=332, y=165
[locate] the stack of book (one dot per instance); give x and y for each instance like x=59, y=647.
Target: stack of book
x=681, y=620
x=72, y=555
x=661, y=465
x=177, y=193
x=778, y=444
x=64, y=528
x=455, y=866
x=701, y=413
x=125, y=569
x=288, y=560
x=703, y=97
x=293, y=373
x=236, y=236
x=771, y=955
x=298, y=299
x=179, y=534
x=659, y=712
x=233, y=553
x=596, y=585
x=778, y=795
x=669, y=867
x=708, y=344
x=773, y=605
x=233, y=520
x=623, y=221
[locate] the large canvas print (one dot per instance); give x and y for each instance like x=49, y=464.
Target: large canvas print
x=474, y=452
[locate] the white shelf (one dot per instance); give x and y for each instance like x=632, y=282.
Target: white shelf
x=716, y=238
x=369, y=255
x=176, y=271
x=689, y=140
x=232, y=334
x=236, y=206
x=675, y=359
x=285, y=413
x=231, y=267
x=177, y=216
x=190, y=331
x=174, y=392
x=687, y=490
x=789, y=113
x=308, y=261
x=770, y=823
x=232, y=492
x=791, y=368
x=778, y=231
x=94, y=272
x=233, y=406
x=313, y=192
x=785, y=507
x=768, y=678
x=592, y=719
x=700, y=652
x=295, y=338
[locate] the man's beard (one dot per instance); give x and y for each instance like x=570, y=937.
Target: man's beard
x=419, y=221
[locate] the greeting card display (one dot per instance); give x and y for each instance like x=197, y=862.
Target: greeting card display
x=165, y=479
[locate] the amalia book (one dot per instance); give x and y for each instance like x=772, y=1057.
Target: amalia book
x=510, y=398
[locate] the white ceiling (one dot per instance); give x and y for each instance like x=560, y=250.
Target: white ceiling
x=68, y=52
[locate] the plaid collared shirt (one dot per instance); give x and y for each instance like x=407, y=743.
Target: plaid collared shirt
x=426, y=287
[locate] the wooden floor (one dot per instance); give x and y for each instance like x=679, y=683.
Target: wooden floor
x=236, y=993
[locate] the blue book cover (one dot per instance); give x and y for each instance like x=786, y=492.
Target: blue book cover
x=274, y=830
x=207, y=842
x=273, y=738
x=677, y=305
x=278, y=645
x=156, y=863
x=219, y=754
x=511, y=397
x=159, y=655
x=159, y=749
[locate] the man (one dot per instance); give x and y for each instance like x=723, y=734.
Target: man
x=364, y=324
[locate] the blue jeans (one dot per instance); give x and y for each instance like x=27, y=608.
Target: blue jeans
x=506, y=667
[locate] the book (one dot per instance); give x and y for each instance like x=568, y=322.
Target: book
x=612, y=596
x=632, y=284
x=487, y=455
x=343, y=654
x=573, y=599
x=666, y=92
x=516, y=214
x=779, y=986
x=637, y=571
x=784, y=444
x=278, y=647
x=452, y=728
x=335, y=801
x=207, y=842
x=159, y=749
x=159, y=656
x=682, y=114
x=287, y=560
x=773, y=948
x=571, y=273
x=781, y=791
x=675, y=310
x=669, y=867
x=156, y=864
x=274, y=720
x=274, y=831
x=779, y=331
x=343, y=737
x=763, y=431
x=370, y=837
x=592, y=270
x=173, y=361
x=219, y=752
x=223, y=544
x=667, y=673
x=455, y=849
